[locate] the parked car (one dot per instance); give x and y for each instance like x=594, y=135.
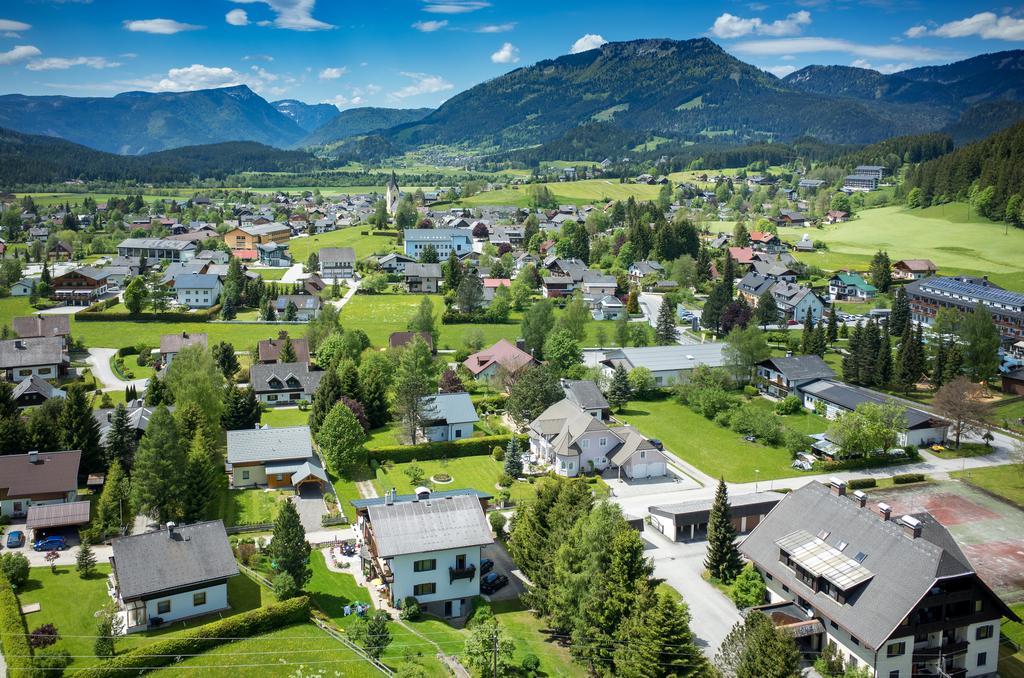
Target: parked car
x=492, y=581
x=486, y=565
x=54, y=543
x=16, y=539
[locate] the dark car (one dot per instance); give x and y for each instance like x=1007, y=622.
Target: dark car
x=492, y=581
x=16, y=539
x=54, y=543
x=486, y=565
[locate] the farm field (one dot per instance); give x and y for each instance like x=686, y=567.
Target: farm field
x=956, y=242
x=576, y=192
x=364, y=245
x=116, y=334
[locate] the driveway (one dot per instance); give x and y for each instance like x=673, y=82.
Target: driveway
x=293, y=275
x=309, y=502
x=650, y=304
x=503, y=565
x=99, y=363
x=353, y=287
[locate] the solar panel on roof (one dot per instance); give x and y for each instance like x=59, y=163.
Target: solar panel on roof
x=860, y=556
x=822, y=560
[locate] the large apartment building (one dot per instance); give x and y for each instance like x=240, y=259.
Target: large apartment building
x=444, y=240
x=928, y=295
x=893, y=594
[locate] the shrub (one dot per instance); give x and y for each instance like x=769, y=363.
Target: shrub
x=44, y=636
x=795, y=441
x=750, y=391
x=498, y=453
x=905, y=478
x=531, y=664
x=788, y=405
x=710, y=401
x=749, y=588
x=166, y=650
x=285, y=586
x=410, y=609
x=505, y=480
x=468, y=447
x=753, y=421
x=245, y=552
x=497, y=520
x=51, y=662
x=13, y=638
x=861, y=483
x=14, y=568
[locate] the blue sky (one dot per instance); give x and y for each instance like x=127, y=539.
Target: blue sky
x=419, y=53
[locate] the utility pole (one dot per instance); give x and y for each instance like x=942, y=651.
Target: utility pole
x=494, y=651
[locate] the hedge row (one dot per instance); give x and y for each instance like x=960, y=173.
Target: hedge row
x=90, y=315
x=486, y=404
x=470, y=447
x=861, y=483
x=865, y=462
x=14, y=640
x=204, y=638
x=905, y=478
x=481, y=317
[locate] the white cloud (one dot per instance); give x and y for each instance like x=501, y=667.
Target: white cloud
x=237, y=17
x=342, y=101
x=11, y=25
x=423, y=84
x=455, y=6
x=19, y=53
x=497, y=28
x=587, y=42
x=780, y=71
x=373, y=89
x=731, y=26
x=508, y=54
x=430, y=26
x=985, y=25
x=60, y=63
x=257, y=57
x=333, y=73
x=198, y=76
x=160, y=26
x=809, y=45
x=881, y=68
x=295, y=15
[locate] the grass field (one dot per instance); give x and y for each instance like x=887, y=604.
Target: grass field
x=713, y=449
x=270, y=273
x=953, y=236
x=1010, y=415
x=14, y=307
x=567, y=192
x=1005, y=481
x=248, y=507
x=364, y=245
x=279, y=417
x=116, y=334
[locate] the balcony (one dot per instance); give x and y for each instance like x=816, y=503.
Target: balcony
x=947, y=649
x=467, y=572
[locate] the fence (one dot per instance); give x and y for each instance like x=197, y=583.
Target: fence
x=256, y=527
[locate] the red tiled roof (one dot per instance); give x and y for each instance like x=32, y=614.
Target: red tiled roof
x=742, y=255
x=497, y=282
x=504, y=353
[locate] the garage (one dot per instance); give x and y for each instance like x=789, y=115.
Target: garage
x=57, y=519
x=639, y=459
x=688, y=521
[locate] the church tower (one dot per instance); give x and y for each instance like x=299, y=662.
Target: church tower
x=392, y=195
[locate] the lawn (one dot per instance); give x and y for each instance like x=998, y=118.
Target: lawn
x=528, y=638
x=248, y=507
x=1010, y=415
x=14, y=307
x=965, y=450
x=132, y=370
x=270, y=273
x=713, y=449
x=953, y=236
x=568, y=192
x=1011, y=662
x=115, y=334
x=364, y=245
x=1004, y=481
x=385, y=436
x=332, y=591
x=280, y=417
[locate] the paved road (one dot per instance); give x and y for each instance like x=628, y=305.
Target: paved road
x=293, y=274
x=353, y=287
x=99, y=363
x=650, y=304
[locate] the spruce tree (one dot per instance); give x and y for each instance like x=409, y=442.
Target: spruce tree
x=324, y=398
x=769, y=652
x=883, y=362
x=374, y=381
x=899, y=317
x=114, y=509
x=851, y=360
x=80, y=429
x=905, y=371
x=870, y=343
x=203, y=475
x=619, y=391
x=807, y=338
x=158, y=476
x=348, y=379
x=939, y=364
x=767, y=312
x=121, y=440
x=287, y=352
x=666, y=333
x=157, y=393
x=832, y=333
x=954, y=366
x=513, y=459
x=85, y=560
x=723, y=559
x=288, y=549
x=819, y=340
x=251, y=407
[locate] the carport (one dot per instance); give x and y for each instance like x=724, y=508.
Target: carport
x=51, y=516
x=688, y=521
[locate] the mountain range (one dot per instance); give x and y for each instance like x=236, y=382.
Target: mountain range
x=688, y=90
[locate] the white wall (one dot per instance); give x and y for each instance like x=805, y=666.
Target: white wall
x=989, y=646
x=182, y=607
x=257, y=476
x=406, y=579
x=22, y=373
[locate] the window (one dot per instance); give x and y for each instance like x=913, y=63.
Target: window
x=458, y=433
x=833, y=624
x=25, y=373
x=279, y=476
x=584, y=443
x=271, y=398
x=978, y=605
x=603, y=441
x=896, y=649
x=427, y=589
x=853, y=639
x=983, y=632
x=245, y=475
x=163, y=607
x=44, y=370
x=424, y=565
x=982, y=658
x=199, y=599
x=895, y=673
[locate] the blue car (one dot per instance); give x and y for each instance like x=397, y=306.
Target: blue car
x=16, y=539
x=51, y=544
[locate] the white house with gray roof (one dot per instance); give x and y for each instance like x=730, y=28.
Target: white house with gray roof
x=668, y=364
x=443, y=240
x=448, y=416
x=171, y=574
x=153, y=249
x=427, y=548
x=273, y=457
x=197, y=290
x=44, y=357
x=284, y=383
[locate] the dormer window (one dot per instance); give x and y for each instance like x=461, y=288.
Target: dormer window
x=274, y=382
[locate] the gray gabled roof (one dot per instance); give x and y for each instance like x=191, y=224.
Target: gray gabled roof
x=329, y=255
x=157, y=244
x=665, y=358
x=31, y=352
x=152, y=562
x=41, y=326
x=584, y=393
x=36, y=384
x=423, y=270
x=452, y=408
x=261, y=375
x=800, y=367
x=429, y=525
x=196, y=281
x=269, y=444
x=849, y=397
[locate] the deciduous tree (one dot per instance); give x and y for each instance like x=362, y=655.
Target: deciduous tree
x=965, y=406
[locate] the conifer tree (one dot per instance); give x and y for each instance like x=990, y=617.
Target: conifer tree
x=202, y=475
x=324, y=398
x=938, y=364
x=157, y=393
x=908, y=367
x=85, y=560
x=883, y=362
x=832, y=333
x=819, y=340
x=158, y=476
x=807, y=338
x=80, y=429
x=666, y=332
x=348, y=379
x=870, y=342
x=619, y=391
x=374, y=380
x=899, y=317
x=954, y=366
x=723, y=559
x=121, y=441
x=114, y=509
x=287, y=352
x=850, y=360
x=767, y=312
x=513, y=459
x=288, y=548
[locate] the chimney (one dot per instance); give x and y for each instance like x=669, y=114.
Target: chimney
x=521, y=344
x=860, y=498
x=170, y=530
x=33, y=457
x=837, y=486
x=911, y=526
x=389, y=498
x=884, y=511
x=19, y=344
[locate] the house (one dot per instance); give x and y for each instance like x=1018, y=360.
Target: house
x=39, y=234
x=276, y=458
x=743, y=256
x=1013, y=382
x=32, y=326
x=896, y=596
x=197, y=290
x=781, y=377
x=794, y=301
x=22, y=288
x=171, y=345
x=834, y=398
x=860, y=182
x=639, y=270
x=423, y=278
x=273, y=254
x=268, y=351
x=775, y=270
x=491, y=286
x=61, y=251
x=443, y=240
x=554, y=286
x=44, y=357
x=837, y=216
x=607, y=307
x=394, y=262
x=403, y=339
x=805, y=244
x=138, y=418
x=307, y=306
x=37, y=478
x=79, y=287
x=572, y=441
x=668, y=364
x=913, y=269
x=596, y=283
x=766, y=241
x=810, y=184
x=928, y=295
x=337, y=262
x=154, y=249
x=414, y=545
x=791, y=218
x=585, y=394
x=171, y=574
x=850, y=286
x=753, y=286
x=249, y=237
x=35, y=391
x=284, y=383
x=448, y=416
x=572, y=268
x=503, y=355
x=688, y=520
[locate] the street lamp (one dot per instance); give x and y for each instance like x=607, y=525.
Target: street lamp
x=757, y=476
